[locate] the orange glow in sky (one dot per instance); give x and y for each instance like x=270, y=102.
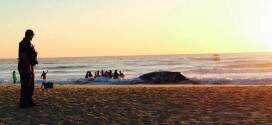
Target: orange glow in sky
x=74, y=28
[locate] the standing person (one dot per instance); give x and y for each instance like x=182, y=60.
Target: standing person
x=115, y=75
x=14, y=77
x=90, y=74
x=43, y=76
x=87, y=74
x=102, y=72
x=26, y=62
x=110, y=74
x=97, y=73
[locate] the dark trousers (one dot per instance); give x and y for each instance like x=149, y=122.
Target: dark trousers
x=27, y=86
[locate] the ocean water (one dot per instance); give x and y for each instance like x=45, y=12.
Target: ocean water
x=244, y=68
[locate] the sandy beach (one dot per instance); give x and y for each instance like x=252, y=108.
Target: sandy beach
x=139, y=104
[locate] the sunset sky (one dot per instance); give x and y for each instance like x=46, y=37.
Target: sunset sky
x=72, y=28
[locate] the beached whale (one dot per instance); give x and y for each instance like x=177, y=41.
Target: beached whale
x=165, y=77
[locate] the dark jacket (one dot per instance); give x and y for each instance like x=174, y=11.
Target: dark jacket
x=28, y=48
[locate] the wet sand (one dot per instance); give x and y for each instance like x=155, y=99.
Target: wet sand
x=140, y=104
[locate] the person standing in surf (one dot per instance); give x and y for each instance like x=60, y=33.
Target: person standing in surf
x=14, y=76
x=43, y=76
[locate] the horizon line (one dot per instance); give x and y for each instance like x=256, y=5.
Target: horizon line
x=147, y=55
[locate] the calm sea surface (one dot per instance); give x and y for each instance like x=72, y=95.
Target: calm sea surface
x=253, y=68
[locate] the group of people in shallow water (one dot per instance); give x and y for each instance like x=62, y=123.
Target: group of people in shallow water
x=102, y=73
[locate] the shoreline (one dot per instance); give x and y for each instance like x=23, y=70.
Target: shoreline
x=145, y=85
x=140, y=104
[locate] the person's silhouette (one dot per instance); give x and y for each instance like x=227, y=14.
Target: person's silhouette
x=43, y=76
x=26, y=62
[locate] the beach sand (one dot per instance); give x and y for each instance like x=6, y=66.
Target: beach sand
x=140, y=104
